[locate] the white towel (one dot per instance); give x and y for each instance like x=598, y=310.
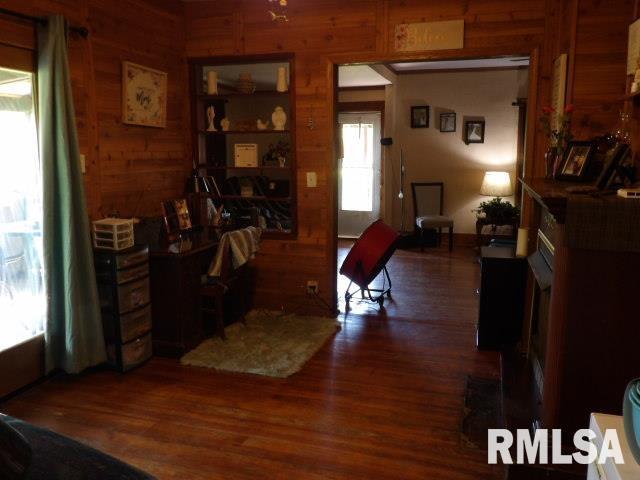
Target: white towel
x=244, y=245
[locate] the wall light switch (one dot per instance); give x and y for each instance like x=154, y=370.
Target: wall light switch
x=83, y=163
x=312, y=179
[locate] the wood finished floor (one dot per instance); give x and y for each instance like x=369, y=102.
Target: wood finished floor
x=383, y=399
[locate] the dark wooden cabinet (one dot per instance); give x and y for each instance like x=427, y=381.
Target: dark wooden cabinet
x=586, y=333
x=502, y=290
x=175, y=273
x=123, y=287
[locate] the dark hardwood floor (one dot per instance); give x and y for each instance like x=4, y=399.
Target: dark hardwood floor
x=383, y=399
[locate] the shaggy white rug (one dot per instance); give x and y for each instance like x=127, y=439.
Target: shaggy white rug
x=270, y=343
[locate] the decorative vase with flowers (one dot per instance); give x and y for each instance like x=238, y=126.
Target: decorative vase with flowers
x=559, y=137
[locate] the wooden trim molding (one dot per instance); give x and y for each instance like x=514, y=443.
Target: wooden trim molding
x=361, y=89
x=371, y=106
x=459, y=70
x=21, y=365
x=17, y=58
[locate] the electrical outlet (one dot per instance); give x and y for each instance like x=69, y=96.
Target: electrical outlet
x=312, y=287
x=312, y=179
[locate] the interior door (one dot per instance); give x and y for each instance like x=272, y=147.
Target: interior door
x=359, y=179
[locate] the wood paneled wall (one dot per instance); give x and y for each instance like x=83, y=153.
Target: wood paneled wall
x=129, y=169
x=358, y=30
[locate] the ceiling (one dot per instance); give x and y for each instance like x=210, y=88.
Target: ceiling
x=360, y=76
x=367, y=76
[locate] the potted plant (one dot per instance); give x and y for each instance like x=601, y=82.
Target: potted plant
x=497, y=212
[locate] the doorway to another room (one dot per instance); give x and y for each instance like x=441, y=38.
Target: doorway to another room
x=444, y=123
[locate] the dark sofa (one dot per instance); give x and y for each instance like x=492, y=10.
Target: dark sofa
x=28, y=452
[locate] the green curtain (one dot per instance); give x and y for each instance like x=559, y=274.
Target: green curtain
x=73, y=336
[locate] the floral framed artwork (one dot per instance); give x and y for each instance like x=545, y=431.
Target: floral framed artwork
x=144, y=96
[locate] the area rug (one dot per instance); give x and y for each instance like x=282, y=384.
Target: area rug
x=268, y=343
x=482, y=410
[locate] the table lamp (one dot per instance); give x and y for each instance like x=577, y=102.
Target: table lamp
x=496, y=184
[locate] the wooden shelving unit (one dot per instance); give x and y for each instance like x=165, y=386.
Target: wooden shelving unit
x=237, y=95
x=274, y=187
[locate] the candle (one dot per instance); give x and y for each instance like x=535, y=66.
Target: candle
x=212, y=82
x=523, y=240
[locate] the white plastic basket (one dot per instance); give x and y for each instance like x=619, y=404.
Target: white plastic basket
x=113, y=233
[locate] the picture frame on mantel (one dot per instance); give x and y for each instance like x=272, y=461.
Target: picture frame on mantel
x=577, y=159
x=144, y=96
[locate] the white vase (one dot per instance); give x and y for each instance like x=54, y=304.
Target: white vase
x=211, y=115
x=212, y=82
x=281, y=85
x=279, y=118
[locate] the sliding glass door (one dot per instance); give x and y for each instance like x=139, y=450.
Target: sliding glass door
x=22, y=293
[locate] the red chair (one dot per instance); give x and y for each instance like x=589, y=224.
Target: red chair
x=367, y=258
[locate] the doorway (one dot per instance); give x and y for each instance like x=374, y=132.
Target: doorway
x=454, y=93
x=360, y=172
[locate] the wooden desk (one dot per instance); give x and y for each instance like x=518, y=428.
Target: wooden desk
x=175, y=272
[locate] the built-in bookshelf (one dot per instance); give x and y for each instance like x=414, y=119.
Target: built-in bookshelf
x=234, y=157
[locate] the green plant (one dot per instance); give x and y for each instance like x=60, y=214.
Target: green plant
x=498, y=211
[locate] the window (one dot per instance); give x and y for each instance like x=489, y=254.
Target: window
x=357, y=167
x=22, y=292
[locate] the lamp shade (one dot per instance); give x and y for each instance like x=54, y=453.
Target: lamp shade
x=496, y=184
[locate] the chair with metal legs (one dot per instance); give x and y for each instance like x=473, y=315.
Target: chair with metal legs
x=428, y=207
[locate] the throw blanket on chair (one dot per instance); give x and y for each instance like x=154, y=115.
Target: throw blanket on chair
x=243, y=243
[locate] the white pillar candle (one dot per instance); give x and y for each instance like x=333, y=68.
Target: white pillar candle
x=523, y=240
x=212, y=82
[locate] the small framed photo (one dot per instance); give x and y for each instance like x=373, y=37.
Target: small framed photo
x=474, y=131
x=448, y=122
x=420, y=116
x=576, y=160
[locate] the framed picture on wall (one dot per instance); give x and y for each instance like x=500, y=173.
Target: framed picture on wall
x=144, y=96
x=448, y=122
x=420, y=116
x=474, y=131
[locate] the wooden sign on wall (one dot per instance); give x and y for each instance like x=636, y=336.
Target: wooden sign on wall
x=446, y=35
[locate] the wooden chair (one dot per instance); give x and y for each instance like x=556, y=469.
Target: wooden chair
x=428, y=200
x=213, y=294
